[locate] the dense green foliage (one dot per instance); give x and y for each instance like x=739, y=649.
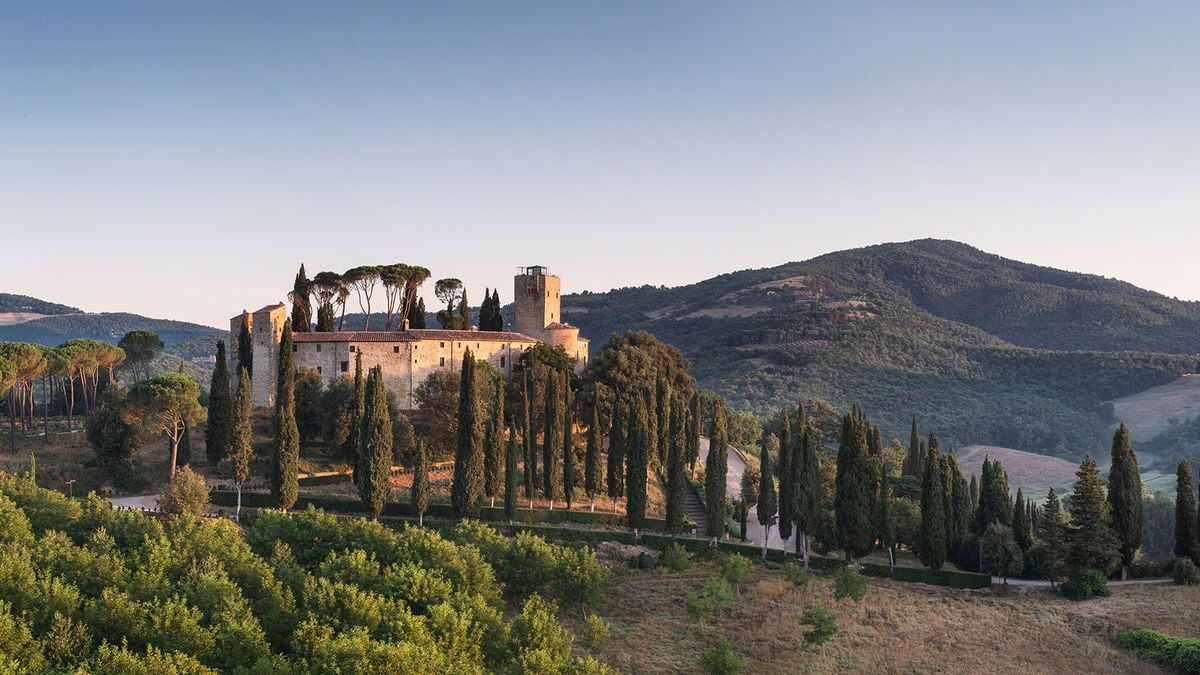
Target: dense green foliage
x=1086, y=584
x=85, y=587
x=1125, y=497
x=1185, y=513
x=715, y=466
x=374, y=476
x=467, y=488
x=932, y=326
x=1093, y=543
x=1180, y=653
x=218, y=432
x=285, y=451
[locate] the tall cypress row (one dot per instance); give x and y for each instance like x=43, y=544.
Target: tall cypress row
x=1125, y=497
x=615, y=465
x=1185, y=513
x=636, y=462
x=663, y=399
x=420, y=484
x=493, y=458
x=786, y=503
x=715, y=467
x=530, y=474
x=551, y=437
x=931, y=545
x=768, y=503
x=568, y=426
x=511, y=478
x=218, y=435
x=695, y=421
x=1020, y=522
x=375, y=446
x=467, y=488
x=285, y=455
x=357, y=406
x=855, y=498
x=806, y=490
x=676, y=480
x=958, y=516
x=591, y=459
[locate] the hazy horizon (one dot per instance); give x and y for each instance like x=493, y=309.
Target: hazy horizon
x=181, y=162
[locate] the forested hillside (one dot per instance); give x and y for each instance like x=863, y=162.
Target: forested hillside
x=108, y=326
x=967, y=341
x=22, y=304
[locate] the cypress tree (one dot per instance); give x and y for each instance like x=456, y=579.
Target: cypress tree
x=885, y=520
x=912, y=458
x=1125, y=498
x=1185, y=513
x=497, y=317
x=767, y=500
x=416, y=317
x=1094, y=545
x=245, y=346
x=241, y=448
x=932, y=536
x=921, y=454
x=973, y=491
x=994, y=503
x=464, y=311
x=1020, y=523
x=676, y=481
x=493, y=458
x=650, y=396
x=219, y=433
x=695, y=421
x=616, y=450
x=357, y=407
x=591, y=458
x=958, y=517
x=807, y=490
x=551, y=436
x=420, y=484
x=637, y=450
x=568, y=426
x=301, y=307
x=485, y=310
x=285, y=456
x=511, y=480
x=375, y=446
x=527, y=439
x=1053, y=532
x=855, y=497
x=467, y=488
x=786, y=503
x=715, y=467
x=663, y=416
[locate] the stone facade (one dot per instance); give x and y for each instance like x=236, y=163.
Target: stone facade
x=410, y=356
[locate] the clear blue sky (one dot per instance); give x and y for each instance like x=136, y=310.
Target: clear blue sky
x=180, y=159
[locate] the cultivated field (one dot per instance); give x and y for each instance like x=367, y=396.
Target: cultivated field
x=897, y=628
x=1033, y=472
x=1149, y=413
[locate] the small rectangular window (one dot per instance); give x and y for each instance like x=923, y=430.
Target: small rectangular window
x=443, y=363
x=351, y=349
x=442, y=344
x=294, y=350
x=345, y=366
x=396, y=349
x=501, y=361
x=476, y=345
x=318, y=370
x=318, y=347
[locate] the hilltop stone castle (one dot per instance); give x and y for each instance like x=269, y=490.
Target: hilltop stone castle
x=408, y=356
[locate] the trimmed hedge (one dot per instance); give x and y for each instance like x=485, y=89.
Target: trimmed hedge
x=436, y=510
x=1181, y=653
x=948, y=578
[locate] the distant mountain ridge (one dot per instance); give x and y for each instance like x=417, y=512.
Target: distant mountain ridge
x=983, y=349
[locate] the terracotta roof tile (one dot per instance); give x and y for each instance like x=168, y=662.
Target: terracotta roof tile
x=414, y=335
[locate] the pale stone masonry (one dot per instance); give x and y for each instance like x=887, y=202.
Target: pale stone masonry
x=409, y=356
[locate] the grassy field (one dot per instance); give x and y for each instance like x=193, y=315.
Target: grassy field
x=1149, y=413
x=897, y=628
x=1033, y=472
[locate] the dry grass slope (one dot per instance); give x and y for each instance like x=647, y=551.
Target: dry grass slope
x=1149, y=413
x=898, y=628
x=1033, y=472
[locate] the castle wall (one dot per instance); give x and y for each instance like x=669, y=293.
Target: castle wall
x=536, y=303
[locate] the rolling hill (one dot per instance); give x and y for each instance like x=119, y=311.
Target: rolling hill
x=982, y=349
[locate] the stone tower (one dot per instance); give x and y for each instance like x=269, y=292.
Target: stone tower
x=266, y=331
x=539, y=312
x=535, y=297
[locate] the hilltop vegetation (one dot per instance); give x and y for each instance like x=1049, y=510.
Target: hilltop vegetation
x=107, y=327
x=904, y=328
x=24, y=304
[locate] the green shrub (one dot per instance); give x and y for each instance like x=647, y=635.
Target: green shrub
x=1180, y=653
x=710, y=599
x=847, y=582
x=595, y=634
x=720, y=659
x=1185, y=572
x=1086, y=584
x=824, y=626
x=735, y=569
x=796, y=574
x=675, y=558
x=1148, y=568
